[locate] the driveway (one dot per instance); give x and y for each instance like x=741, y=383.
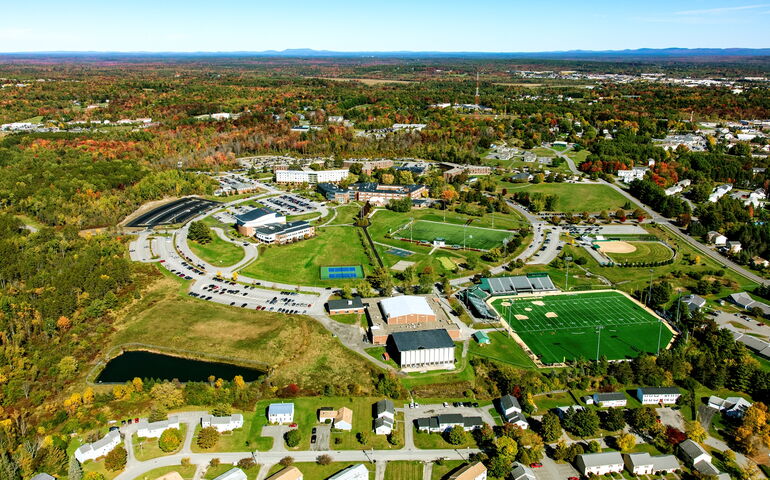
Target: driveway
x=671, y=417
x=323, y=438
x=554, y=471
x=277, y=432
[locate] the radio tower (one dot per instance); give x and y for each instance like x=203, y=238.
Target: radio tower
x=477, y=88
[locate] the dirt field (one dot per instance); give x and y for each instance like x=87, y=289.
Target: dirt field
x=616, y=246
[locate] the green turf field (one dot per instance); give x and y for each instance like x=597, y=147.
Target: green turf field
x=575, y=197
x=472, y=237
x=626, y=328
x=645, y=252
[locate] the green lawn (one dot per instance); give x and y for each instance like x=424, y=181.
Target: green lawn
x=645, y=252
x=187, y=472
x=502, y=349
x=403, y=470
x=546, y=403
x=444, y=470
x=571, y=334
x=576, y=197
x=348, y=318
x=436, y=441
x=453, y=234
x=241, y=439
x=314, y=471
x=579, y=157
x=217, y=252
x=300, y=263
x=147, y=448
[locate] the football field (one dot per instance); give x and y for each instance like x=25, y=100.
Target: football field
x=453, y=234
x=570, y=326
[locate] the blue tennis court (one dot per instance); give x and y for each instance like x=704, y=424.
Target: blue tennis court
x=399, y=252
x=342, y=272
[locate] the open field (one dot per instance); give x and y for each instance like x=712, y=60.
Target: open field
x=297, y=348
x=403, y=470
x=217, y=252
x=147, y=448
x=241, y=439
x=452, y=234
x=564, y=327
x=575, y=197
x=640, y=252
x=186, y=471
x=502, y=349
x=300, y=263
x=444, y=471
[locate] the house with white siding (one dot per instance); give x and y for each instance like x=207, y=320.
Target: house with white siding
x=147, y=429
x=280, y=413
x=99, y=448
x=658, y=395
x=223, y=424
x=599, y=463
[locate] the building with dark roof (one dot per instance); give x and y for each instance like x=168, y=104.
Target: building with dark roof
x=346, y=306
x=423, y=349
x=406, y=316
x=256, y=217
x=612, y=399
x=447, y=421
x=284, y=233
x=658, y=395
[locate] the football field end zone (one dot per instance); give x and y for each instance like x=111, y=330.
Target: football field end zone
x=535, y=296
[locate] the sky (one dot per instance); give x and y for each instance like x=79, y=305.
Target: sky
x=384, y=25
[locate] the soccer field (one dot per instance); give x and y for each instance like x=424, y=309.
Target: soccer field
x=569, y=326
x=475, y=237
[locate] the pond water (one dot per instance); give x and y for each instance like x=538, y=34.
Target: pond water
x=143, y=364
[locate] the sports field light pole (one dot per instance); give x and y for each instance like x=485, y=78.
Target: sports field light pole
x=660, y=326
x=649, y=292
x=598, y=340
x=566, y=279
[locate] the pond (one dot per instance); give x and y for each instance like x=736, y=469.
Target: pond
x=142, y=364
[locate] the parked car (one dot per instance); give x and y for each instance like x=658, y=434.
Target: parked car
x=313, y=439
x=535, y=465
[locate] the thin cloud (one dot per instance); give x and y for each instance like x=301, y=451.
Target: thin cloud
x=715, y=11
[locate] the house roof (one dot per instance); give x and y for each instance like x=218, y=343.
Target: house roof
x=105, y=440
x=344, y=414
x=405, y=305
x=694, y=300
x=383, y=421
x=522, y=472
x=659, y=390
x=422, y=340
x=253, y=214
x=384, y=406
x=427, y=422
x=608, y=397
x=280, y=409
x=691, y=449
x=481, y=336
x=601, y=459
x=665, y=462
x=275, y=228
x=639, y=459
x=469, y=472
x=345, y=304
x=289, y=473
x=232, y=474
x=508, y=402
x=236, y=417
x=42, y=476
x=159, y=424
x=352, y=471
x=706, y=468
x=516, y=418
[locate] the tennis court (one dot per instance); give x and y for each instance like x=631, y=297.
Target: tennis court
x=571, y=326
x=345, y=271
x=454, y=235
x=399, y=252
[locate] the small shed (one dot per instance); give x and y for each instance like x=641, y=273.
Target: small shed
x=482, y=338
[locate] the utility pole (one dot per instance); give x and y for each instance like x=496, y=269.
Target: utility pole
x=598, y=340
x=566, y=279
x=649, y=292
x=660, y=326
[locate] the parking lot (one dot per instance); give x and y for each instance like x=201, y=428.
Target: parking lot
x=290, y=204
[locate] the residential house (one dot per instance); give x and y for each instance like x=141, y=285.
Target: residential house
x=43, y=476
x=280, y=413
x=612, y=399
x=99, y=448
x=693, y=454
x=693, y=302
x=288, y=473
x=521, y=177
x=560, y=411
x=658, y=395
x=744, y=300
x=599, y=463
x=445, y=422
x=344, y=419
x=522, y=472
x=646, y=464
x=223, y=424
x=384, y=417
x=232, y=474
x=760, y=262
x=733, y=246
x=511, y=411
x=155, y=429
x=719, y=192
x=353, y=472
x=472, y=471
x=716, y=238
x=734, y=407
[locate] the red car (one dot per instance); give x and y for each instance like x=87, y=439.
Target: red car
x=535, y=465
x=293, y=425
x=573, y=478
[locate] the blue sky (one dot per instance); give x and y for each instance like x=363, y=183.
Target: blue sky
x=385, y=25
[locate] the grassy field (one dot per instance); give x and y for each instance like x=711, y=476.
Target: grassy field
x=564, y=327
x=217, y=252
x=472, y=237
x=445, y=469
x=241, y=439
x=147, y=448
x=186, y=471
x=645, y=252
x=300, y=263
x=403, y=470
x=314, y=471
x=297, y=348
x=575, y=197
x=502, y=349
x=436, y=441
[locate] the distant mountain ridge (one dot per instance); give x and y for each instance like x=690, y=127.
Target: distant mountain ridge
x=669, y=53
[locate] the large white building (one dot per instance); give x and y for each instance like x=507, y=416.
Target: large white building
x=257, y=217
x=284, y=233
x=308, y=175
x=100, y=448
x=635, y=173
x=406, y=309
x=223, y=424
x=147, y=429
x=353, y=472
x=599, y=463
x=612, y=399
x=658, y=395
x=280, y=413
x=423, y=349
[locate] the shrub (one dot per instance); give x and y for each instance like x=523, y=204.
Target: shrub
x=286, y=461
x=207, y=438
x=246, y=463
x=363, y=437
x=214, y=462
x=324, y=459
x=170, y=440
x=293, y=437
x=116, y=459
